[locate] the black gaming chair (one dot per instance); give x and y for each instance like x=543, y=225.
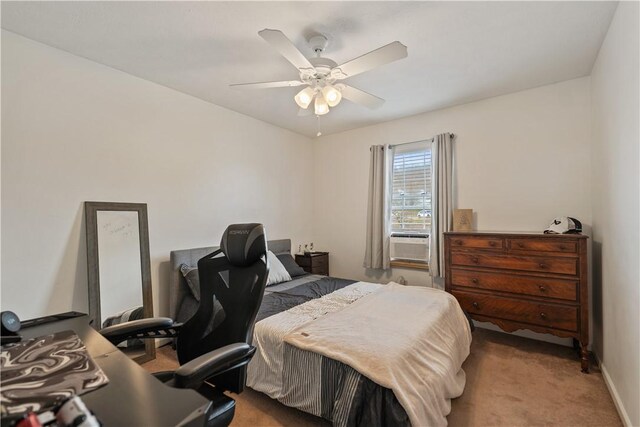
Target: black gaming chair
x=214, y=357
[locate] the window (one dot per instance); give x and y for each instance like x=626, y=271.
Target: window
x=411, y=189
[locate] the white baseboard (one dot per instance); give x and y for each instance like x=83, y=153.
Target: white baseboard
x=614, y=394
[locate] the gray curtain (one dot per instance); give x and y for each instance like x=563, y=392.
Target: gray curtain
x=378, y=208
x=441, y=200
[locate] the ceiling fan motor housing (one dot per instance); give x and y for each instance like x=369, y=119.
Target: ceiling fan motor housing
x=320, y=75
x=323, y=65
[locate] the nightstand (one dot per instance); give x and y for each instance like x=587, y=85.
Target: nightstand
x=314, y=262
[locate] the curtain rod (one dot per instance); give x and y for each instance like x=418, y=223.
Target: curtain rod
x=420, y=140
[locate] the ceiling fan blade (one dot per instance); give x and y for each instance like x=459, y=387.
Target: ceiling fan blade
x=286, y=48
x=304, y=112
x=268, y=85
x=375, y=58
x=361, y=97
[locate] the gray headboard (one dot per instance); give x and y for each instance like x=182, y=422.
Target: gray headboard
x=178, y=286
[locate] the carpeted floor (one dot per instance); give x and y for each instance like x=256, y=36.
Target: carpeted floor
x=511, y=381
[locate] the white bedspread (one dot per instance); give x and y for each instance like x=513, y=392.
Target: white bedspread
x=412, y=340
x=264, y=373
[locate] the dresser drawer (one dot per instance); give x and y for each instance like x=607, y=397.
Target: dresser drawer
x=315, y=264
x=541, y=314
x=512, y=262
x=312, y=261
x=319, y=261
x=543, y=245
x=476, y=242
x=524, y=285
x=323, y=270
x=303, y=261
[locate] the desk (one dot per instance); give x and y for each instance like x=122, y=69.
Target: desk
x=133, y=397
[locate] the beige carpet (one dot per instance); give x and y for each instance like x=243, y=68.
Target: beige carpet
x=511, y=381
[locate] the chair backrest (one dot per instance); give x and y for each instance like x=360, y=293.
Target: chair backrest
x=232, y=279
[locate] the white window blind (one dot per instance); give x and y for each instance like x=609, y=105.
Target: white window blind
x=411, y=189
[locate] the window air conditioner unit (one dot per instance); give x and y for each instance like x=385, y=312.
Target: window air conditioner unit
x=410, y=248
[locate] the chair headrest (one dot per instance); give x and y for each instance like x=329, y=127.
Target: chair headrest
x=244, y=244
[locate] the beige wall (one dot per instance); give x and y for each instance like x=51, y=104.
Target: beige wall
x=521, y=160
x=74, y=130
x=615, y=194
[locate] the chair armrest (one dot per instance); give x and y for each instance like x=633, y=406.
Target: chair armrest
x=164, y=376
x=192, y=374
x=156, y=327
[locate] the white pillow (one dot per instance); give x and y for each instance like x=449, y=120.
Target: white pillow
x=277, y=272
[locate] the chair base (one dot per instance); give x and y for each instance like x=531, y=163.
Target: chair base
x=223, y=407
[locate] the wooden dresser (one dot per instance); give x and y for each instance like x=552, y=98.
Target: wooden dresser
x=314, y=262
x=522, y=281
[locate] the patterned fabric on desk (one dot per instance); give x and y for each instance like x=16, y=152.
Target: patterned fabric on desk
x=42, y=372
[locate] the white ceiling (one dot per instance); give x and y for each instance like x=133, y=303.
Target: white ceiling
x=458, y=51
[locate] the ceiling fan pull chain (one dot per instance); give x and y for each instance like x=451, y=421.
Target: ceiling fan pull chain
x=318, y=125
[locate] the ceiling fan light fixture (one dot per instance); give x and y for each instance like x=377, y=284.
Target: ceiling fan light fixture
x=321, y=107
x=321, y=77
x=332, y=95
x=304, y=97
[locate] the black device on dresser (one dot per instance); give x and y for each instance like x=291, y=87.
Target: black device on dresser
x=314, y=262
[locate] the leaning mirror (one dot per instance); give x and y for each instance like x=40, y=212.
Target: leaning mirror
x=119, y=269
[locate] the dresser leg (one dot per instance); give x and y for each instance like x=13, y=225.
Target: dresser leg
x=584, y=357
x=577, y=348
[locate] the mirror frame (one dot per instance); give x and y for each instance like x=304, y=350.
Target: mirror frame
x=93, y=266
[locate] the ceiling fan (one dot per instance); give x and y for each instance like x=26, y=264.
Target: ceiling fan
x=322, y=76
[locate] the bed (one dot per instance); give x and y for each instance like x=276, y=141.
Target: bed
x=354, y=353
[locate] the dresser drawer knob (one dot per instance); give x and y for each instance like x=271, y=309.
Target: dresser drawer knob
x=542, y=288
x=544, y=316
x=474, y=260
x=542, y=266
x=492, y=243
x=458, y=242
x=521, y=245
x=475, y=304
x=474, y=280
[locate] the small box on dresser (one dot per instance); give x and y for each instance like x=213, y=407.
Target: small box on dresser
x=517, y=281
x=314, y=262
